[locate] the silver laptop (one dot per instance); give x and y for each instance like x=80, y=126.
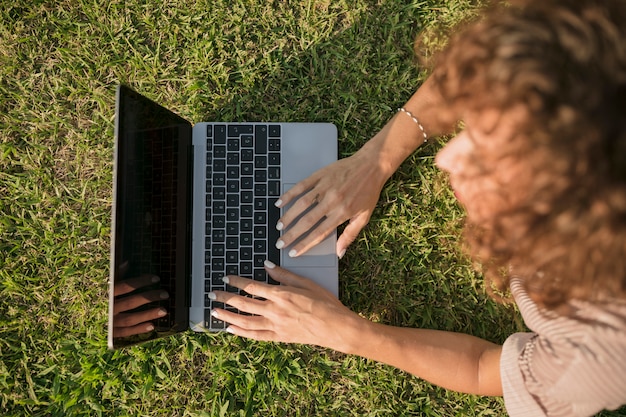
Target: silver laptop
x=194, y=203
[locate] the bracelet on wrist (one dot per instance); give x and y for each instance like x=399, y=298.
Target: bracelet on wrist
x=416, y=120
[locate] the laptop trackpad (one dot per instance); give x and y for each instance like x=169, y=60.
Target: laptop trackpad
x=323, y=254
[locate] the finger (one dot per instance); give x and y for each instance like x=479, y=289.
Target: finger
x=246, y=304
x=257, y=322
x=134, y=330
x=316, y=235
x=301, y=187
x=137, y=300
x=288, y=278
x=132, y=319
x=260, y=335
x=350, y=233
x=309, y=223
x=252, y=287
x=298, y=211
x=130, y=285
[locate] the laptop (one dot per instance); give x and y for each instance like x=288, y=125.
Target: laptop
x=193, y=203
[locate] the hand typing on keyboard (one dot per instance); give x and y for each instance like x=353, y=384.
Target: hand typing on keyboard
x=297, y=311
x=127, y=322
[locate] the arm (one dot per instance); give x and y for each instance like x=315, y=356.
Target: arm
x=300, y=311
x=349, y=188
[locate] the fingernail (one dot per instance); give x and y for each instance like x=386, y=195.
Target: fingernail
x=279, y=226
x=164, y=295
x=280, y=244
x=343, y=252
x=278, y=203
x=269, y=264
x=229, y=330
x=214, y=314
x=226, y=280
x=293, y=253
x=155, y=279
x=162, y=312
x=149, y=327
x=212, y=296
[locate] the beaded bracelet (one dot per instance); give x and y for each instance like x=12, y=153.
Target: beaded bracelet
x=408, y=113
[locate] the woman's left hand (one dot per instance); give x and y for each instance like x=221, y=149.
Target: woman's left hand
x=297, y=311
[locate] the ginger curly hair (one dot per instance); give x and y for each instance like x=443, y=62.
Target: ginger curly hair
x=565, y=63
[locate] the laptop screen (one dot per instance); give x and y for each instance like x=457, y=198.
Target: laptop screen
x=151, y=213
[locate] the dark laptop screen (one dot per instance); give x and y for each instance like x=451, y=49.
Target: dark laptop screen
x=152, y=194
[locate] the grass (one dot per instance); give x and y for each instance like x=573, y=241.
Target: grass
x=347, y=62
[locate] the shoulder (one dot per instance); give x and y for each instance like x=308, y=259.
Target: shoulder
x=570, y=365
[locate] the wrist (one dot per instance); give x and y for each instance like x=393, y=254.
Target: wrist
x=353, y=332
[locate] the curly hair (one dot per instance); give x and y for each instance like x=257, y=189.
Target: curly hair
x=565, y=63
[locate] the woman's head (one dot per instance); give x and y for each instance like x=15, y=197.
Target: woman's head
x=541, y=164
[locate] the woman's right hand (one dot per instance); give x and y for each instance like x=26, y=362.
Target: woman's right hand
x=344, y=190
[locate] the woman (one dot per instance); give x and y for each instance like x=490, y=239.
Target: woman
x=540, y=167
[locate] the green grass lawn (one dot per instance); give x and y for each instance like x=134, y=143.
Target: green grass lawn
x=340, y=61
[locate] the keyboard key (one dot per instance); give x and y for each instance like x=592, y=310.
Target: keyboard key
x=260, y=217
x=274, y=145
x=217, y=264
x=219, y=222
x=209, y=131
x=232, y=214
x=273, y=188
x=259, y=275
x=247, y=141
x=232, y=243
x=232, y=229
x=246, y=197
x=218, y=250
x=273, y=173
x=232, y=186
x=260, y=190
x=219, y=207
x=219, y=193
x=260, y=203
x=246, y=183
x=232, y=144
x=246, y=268
x=260, y=246
x=219, y=179
x=232, y=172
x=236, y=130
x=232, y=158
x=245, y=253
x=247, y=168
x=247, y=155
x=232, y=270
x=260, y=139
x=260, y=161
x=219, y=134
x=219, y=151
x=219, y=165
x=232, y=200
x=260, y=232
x=245, y=225
x=274, y=131
x=218, y=235
x=273, y=158
x=232, y=257
x=260, y=175
x=246, y=210
x=246, y=239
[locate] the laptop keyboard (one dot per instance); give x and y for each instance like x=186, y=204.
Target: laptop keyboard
x=242, y=185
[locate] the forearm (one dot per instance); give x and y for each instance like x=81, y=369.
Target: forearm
x=401, y=136
x=454, y=361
